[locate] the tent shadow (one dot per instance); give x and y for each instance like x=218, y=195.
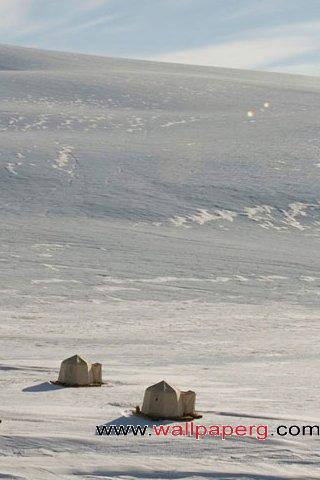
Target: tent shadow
x=131, y=420
x=42, y=387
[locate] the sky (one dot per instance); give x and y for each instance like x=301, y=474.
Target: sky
x=272, y=35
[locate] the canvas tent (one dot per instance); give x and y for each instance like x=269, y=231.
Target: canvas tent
x=164, y=401
x=76, y=371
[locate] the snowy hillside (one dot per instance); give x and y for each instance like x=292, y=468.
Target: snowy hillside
x=164, y=220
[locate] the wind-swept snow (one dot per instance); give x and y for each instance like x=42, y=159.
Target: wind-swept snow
x=65, y=161
x=149, y=222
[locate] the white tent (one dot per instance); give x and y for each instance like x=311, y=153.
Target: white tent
x=164, y=401
x=76, y=371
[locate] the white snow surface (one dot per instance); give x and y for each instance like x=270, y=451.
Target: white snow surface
x=148, y=224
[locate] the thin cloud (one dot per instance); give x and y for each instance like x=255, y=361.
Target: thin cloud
x=95, y=22
x=92, y=4
x=13, y=14
x=257, y=50
x=241, y=54
x=16, y=17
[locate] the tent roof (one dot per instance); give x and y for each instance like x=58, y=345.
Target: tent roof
x=76, y=359
x=162, y=387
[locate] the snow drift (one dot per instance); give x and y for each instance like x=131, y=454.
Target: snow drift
x=149, y=221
